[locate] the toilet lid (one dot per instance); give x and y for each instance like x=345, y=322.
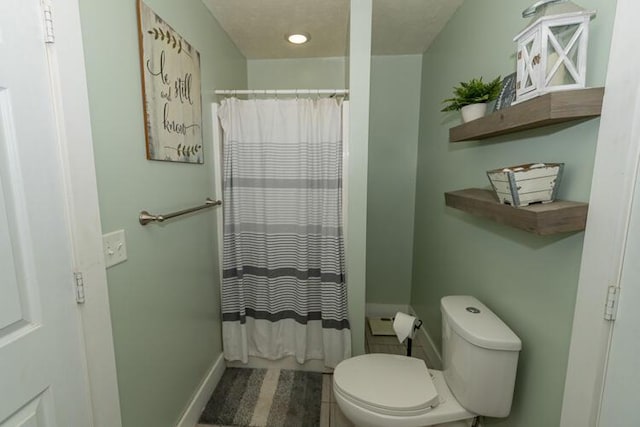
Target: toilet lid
x=387, y=381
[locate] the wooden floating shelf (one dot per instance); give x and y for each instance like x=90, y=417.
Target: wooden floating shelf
x=551, y=108
x=543, y=219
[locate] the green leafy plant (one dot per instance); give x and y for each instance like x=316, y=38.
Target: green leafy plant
x=475, y=91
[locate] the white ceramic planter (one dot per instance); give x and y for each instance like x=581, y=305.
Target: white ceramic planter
x=473, y=112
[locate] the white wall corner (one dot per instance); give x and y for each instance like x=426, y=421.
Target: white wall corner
x=68, y=74
x=616, y=164
x=356, y=167
x=201, y=397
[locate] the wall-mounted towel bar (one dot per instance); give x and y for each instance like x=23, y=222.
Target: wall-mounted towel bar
x=145, y=217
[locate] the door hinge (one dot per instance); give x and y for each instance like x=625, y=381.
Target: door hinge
x=49, y=36
x=611, y=305
x=79, y=284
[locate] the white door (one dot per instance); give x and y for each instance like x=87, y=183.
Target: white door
x=622, y=382
x=42, y=367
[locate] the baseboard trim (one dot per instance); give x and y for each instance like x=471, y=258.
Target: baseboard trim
x=385, y=310
x=288, y=362
x=428, y=345
x=201, y=397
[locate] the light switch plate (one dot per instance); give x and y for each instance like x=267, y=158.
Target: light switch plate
x=114, y=247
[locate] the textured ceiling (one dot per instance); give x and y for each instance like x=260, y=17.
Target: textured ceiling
x=258, y=27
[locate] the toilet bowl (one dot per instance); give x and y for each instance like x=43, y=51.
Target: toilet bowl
x=384, y=390
x=480, y=356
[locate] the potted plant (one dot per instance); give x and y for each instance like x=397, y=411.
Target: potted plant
x=471, y=98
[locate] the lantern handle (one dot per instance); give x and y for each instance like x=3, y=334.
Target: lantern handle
x=530, y=11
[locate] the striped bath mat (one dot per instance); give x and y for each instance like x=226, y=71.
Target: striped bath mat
x=265, y=398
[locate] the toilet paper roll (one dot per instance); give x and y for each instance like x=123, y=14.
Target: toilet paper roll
x=403, y=326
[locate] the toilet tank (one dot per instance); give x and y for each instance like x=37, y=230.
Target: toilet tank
x=480, y=356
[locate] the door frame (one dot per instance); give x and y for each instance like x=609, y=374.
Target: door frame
x=68, y=76
x=616, y=167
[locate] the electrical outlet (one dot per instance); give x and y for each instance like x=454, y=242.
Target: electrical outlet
x=114, y=247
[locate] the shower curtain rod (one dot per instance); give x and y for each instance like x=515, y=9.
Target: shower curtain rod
x=232, y=92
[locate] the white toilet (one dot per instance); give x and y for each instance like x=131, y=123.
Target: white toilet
x=480, y=358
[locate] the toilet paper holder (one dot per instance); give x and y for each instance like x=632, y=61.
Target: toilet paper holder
x=410, y=340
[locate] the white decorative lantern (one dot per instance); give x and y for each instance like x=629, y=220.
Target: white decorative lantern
x=552, y=50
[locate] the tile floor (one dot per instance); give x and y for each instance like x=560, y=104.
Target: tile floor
x=330, y=414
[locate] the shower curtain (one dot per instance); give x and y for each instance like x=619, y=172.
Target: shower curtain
x=283, y=289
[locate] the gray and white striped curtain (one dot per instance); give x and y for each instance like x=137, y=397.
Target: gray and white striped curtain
x=283, y=290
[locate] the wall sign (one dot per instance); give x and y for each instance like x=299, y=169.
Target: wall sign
x=171, y=91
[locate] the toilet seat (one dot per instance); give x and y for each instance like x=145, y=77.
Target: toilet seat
x=387, y=384
x=363, y=415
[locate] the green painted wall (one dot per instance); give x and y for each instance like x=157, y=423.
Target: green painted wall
x=356, y=165
x=529, y=281
x=302, y=73
x=164, y=299
x=393, y=147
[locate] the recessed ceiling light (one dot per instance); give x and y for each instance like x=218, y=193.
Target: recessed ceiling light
x=298, y=38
